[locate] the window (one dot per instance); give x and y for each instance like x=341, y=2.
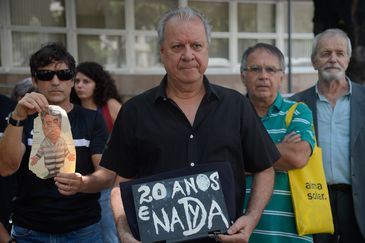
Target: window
x=147, y=52
x=216, y=12
x=301, y=45
x=145, y=45
x=121, y=34
x=38, y=13
x=26, y=43
x=106, y=49
x=100, y=14
x=254, y=17
x=147, y=13
x=34, y=23
x=218, y=53
x=301, y=50
x=301, y=17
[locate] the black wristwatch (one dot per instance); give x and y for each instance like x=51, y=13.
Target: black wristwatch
x=15, y=123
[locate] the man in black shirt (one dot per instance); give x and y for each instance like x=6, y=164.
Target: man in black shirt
x=186, y=121
x=7, y=184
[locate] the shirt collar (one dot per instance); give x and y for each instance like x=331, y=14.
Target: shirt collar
x=210, y=91
x=278, y=102
x=322, y=98
x=275, y=107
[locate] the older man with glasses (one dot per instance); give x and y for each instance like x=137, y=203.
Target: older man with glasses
x=53, y=209
x=262, y=71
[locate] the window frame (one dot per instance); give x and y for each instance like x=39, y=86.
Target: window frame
x=130, y=34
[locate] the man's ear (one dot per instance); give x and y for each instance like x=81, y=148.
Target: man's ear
x=314, y=63
x=34, y=82
x=161, y=54
x=281, y=80
x=242, y=75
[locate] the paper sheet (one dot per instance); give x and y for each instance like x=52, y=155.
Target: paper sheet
x=53, y=149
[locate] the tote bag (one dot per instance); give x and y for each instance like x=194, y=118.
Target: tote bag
x=310, y=193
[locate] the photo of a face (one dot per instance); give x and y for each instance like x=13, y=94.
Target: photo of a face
x=52, y=126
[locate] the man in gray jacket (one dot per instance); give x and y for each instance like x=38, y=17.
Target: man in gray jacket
x=338, y=107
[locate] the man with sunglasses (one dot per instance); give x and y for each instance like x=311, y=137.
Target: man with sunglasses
x=53, y=209
x=262, y=71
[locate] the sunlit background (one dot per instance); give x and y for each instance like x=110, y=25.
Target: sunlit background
x=121, y=35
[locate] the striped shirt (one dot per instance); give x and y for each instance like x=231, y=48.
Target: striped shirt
x=277, y=224
x=54, y=155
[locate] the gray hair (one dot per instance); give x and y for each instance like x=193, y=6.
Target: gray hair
x=269, y=48
x=186, y=14
x=52, y=112
x=330, y=33
x=21, y=88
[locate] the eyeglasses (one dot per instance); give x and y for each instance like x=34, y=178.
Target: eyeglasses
x=47, y=75
x=258, y=69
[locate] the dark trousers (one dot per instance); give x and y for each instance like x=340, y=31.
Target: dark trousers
x=346, y=229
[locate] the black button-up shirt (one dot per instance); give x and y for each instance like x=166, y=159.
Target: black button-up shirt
x=152, y=135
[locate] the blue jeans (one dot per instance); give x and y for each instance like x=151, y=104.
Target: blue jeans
x=87, y=234
x=107, y=223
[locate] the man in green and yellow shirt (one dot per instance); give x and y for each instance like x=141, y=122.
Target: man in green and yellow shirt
x=262, y=72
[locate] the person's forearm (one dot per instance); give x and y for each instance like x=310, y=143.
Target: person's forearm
x=102, y=178
x=11, y=150
x=4, y=235
x=119, y=213
x=261, y=191
x=124, y=231
x=293, y=155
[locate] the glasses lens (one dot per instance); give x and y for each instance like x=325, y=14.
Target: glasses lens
x=44, y=75
x=256, y=69
x=47, y=75
x=65, y=74
x=270, y=70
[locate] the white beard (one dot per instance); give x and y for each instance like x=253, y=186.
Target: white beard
x=330, y=76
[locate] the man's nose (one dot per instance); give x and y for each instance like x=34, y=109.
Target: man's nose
x=55, y=80
x=263, y=73
x=333, y=57
x=187, y=55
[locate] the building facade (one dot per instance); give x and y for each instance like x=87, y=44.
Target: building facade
x=121, y=35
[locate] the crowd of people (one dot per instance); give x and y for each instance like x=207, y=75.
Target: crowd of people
x=185, y=122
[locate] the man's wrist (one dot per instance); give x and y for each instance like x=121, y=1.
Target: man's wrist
x=83, y=183
x=16, y=116
x=15, y=121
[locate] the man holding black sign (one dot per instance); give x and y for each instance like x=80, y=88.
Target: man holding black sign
x=186, y=122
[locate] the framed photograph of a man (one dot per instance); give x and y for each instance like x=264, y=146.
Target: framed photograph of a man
x=53, y=149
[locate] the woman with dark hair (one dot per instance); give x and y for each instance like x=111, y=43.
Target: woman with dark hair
x=96, y=90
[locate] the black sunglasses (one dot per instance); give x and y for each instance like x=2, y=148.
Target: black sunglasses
x=47, y=75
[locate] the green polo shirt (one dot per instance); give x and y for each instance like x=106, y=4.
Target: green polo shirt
x=277, y=224
x=301, y=123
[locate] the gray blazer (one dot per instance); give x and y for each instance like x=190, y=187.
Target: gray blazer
x=357, y=140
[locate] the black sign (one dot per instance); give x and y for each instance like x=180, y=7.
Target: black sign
x=180, y=208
